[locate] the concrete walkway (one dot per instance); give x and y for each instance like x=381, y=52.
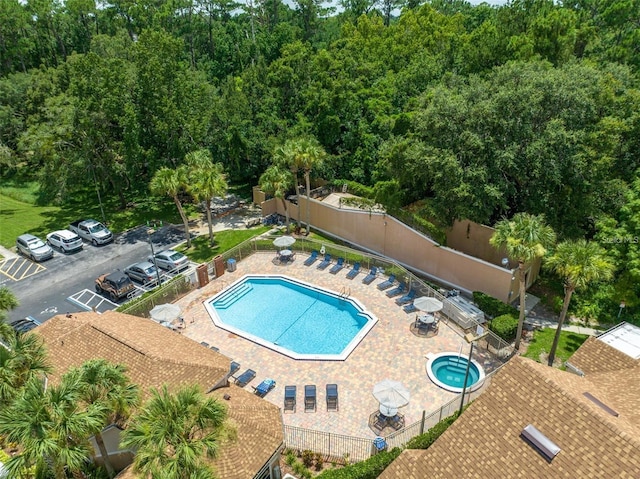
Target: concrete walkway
x=546, y=323
x=6, y=253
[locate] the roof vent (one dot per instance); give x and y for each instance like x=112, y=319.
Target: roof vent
x=597, y=401
x=226, y=397
x=541, y=442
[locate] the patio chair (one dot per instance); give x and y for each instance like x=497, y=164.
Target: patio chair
x=354, y=271
x=332, y=397
x=397, y=290
x=310, y=397
x=368, y=279
x=311, y=259
x=235, y=367
x=205, y=344
x=388, y=283
x=407, y=298
x=325, y=262
x=410, y=308
x=264, y=387
x=290, y=393
x=337, y=267
x=245, y=378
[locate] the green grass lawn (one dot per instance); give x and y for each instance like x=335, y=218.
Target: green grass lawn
x=201, y=251
x=17, y=217
x=543, y=338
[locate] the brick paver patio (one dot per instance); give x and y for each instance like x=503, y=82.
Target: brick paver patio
x=390, y=350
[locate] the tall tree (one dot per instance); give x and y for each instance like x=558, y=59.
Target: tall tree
x=206, y=180
x=174, y=433
x=578, y=263
x=171, y=182
x=276, y=181
x=8, y=301
x=524, y=237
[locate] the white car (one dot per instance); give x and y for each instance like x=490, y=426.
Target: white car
x=65, y=240
x=170, y=260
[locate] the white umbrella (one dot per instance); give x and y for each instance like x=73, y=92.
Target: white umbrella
x=427, y=304
x=165, y=312
x=284, y=241
x=391, y=394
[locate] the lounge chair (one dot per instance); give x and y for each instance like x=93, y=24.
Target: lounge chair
x=235, y=367
x=397, y=290
x=388, y=283
x=325, y=262
x=311, y=259
x=332, y=397
x=410, y=308
x=368, y=279
x=245, y=378
x=290, y=393
x=205, y=344
x=407, y=298
x=354, y=271
x=337, y=267
x=264, y=387
x=310, y=397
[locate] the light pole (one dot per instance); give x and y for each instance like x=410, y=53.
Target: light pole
x=150, y=231
x=470, y=338
x=622, y=306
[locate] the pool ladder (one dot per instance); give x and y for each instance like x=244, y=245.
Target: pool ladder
x=345, y=293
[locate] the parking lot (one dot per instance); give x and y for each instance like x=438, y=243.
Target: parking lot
x=66, y=282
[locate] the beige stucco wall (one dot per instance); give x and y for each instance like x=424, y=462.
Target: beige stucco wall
x=389, y=237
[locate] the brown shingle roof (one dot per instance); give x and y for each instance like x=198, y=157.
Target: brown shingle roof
x=155, y=355
x=596, y=356
x=485, y=441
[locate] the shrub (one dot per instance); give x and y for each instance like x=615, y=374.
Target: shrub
x=319, y=461
x=423, y=441
x=369, y=469
x=505, y=326
x=307, y=458
x=290, y=458
x=355, y=188
x=493, y=307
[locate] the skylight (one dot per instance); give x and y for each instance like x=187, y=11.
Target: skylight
x=542, y=443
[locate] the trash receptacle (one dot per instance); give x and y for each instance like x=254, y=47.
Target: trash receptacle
x=218, y=265
x=231, y=265
x=203, y=275
x=379, y=444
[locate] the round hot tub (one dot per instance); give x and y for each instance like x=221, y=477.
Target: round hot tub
x=448, y=371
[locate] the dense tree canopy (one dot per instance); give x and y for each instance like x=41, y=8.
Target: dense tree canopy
x=481, y=112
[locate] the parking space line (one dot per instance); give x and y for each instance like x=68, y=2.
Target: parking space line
x=20, y=268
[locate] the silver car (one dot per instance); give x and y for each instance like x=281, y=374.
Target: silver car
x=33, y=247
x=143, y=272
x=170, y=260
x=65, y=240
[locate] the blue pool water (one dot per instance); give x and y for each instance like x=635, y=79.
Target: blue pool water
x=291, y=316
x=448, y=371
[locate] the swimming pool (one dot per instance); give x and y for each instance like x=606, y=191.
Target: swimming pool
x=448, y=370
x=292, y=317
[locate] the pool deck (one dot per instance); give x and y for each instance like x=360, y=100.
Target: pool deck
x=389, y=351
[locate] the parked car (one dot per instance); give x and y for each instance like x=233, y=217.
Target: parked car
x=92, y=230
x=144, y=272
x=170, y=260
x=115, y=285
x=33, y=247
x=24, y=325
x=66, y=240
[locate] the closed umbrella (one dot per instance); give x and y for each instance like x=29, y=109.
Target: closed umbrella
x=284, y=241
x=165, y=312
x=391, y=394
x=427, y=304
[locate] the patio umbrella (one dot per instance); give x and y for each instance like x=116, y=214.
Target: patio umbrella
x=391, y=394
x=428, y=305
x=284, y=241
x=165, y=312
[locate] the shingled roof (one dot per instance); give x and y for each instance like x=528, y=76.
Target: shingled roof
x=596, y=356
x=486, y=441
x=155, y=355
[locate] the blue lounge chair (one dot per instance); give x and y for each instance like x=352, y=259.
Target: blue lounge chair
x=235, y=367
x=337, y=267
x=264, y=387
x=290, y=393
x=388, y=283
x=332, y=397
x=311, y=259
x=368, y=279
x=409, y=308
x=354, y=271
x=245, y=378
x=397, y=290
x=406, y=298
x=310, y=397
x=325, y=262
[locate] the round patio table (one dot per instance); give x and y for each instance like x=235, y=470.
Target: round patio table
x=426, y=318
x=286, y=254
x=388, y=411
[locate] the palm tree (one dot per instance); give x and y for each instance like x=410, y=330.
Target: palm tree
x=170, y=182
x=8, y=301
x=51, y=427
x=578, y=263
x=276, y=181
x=105, y=385
x=173, y=433
x=206, y=180
x=525, y=237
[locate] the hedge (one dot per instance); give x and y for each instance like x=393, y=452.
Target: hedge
x=491, y=306
x=369, y=469
x=505, y=326
x=423, y=441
